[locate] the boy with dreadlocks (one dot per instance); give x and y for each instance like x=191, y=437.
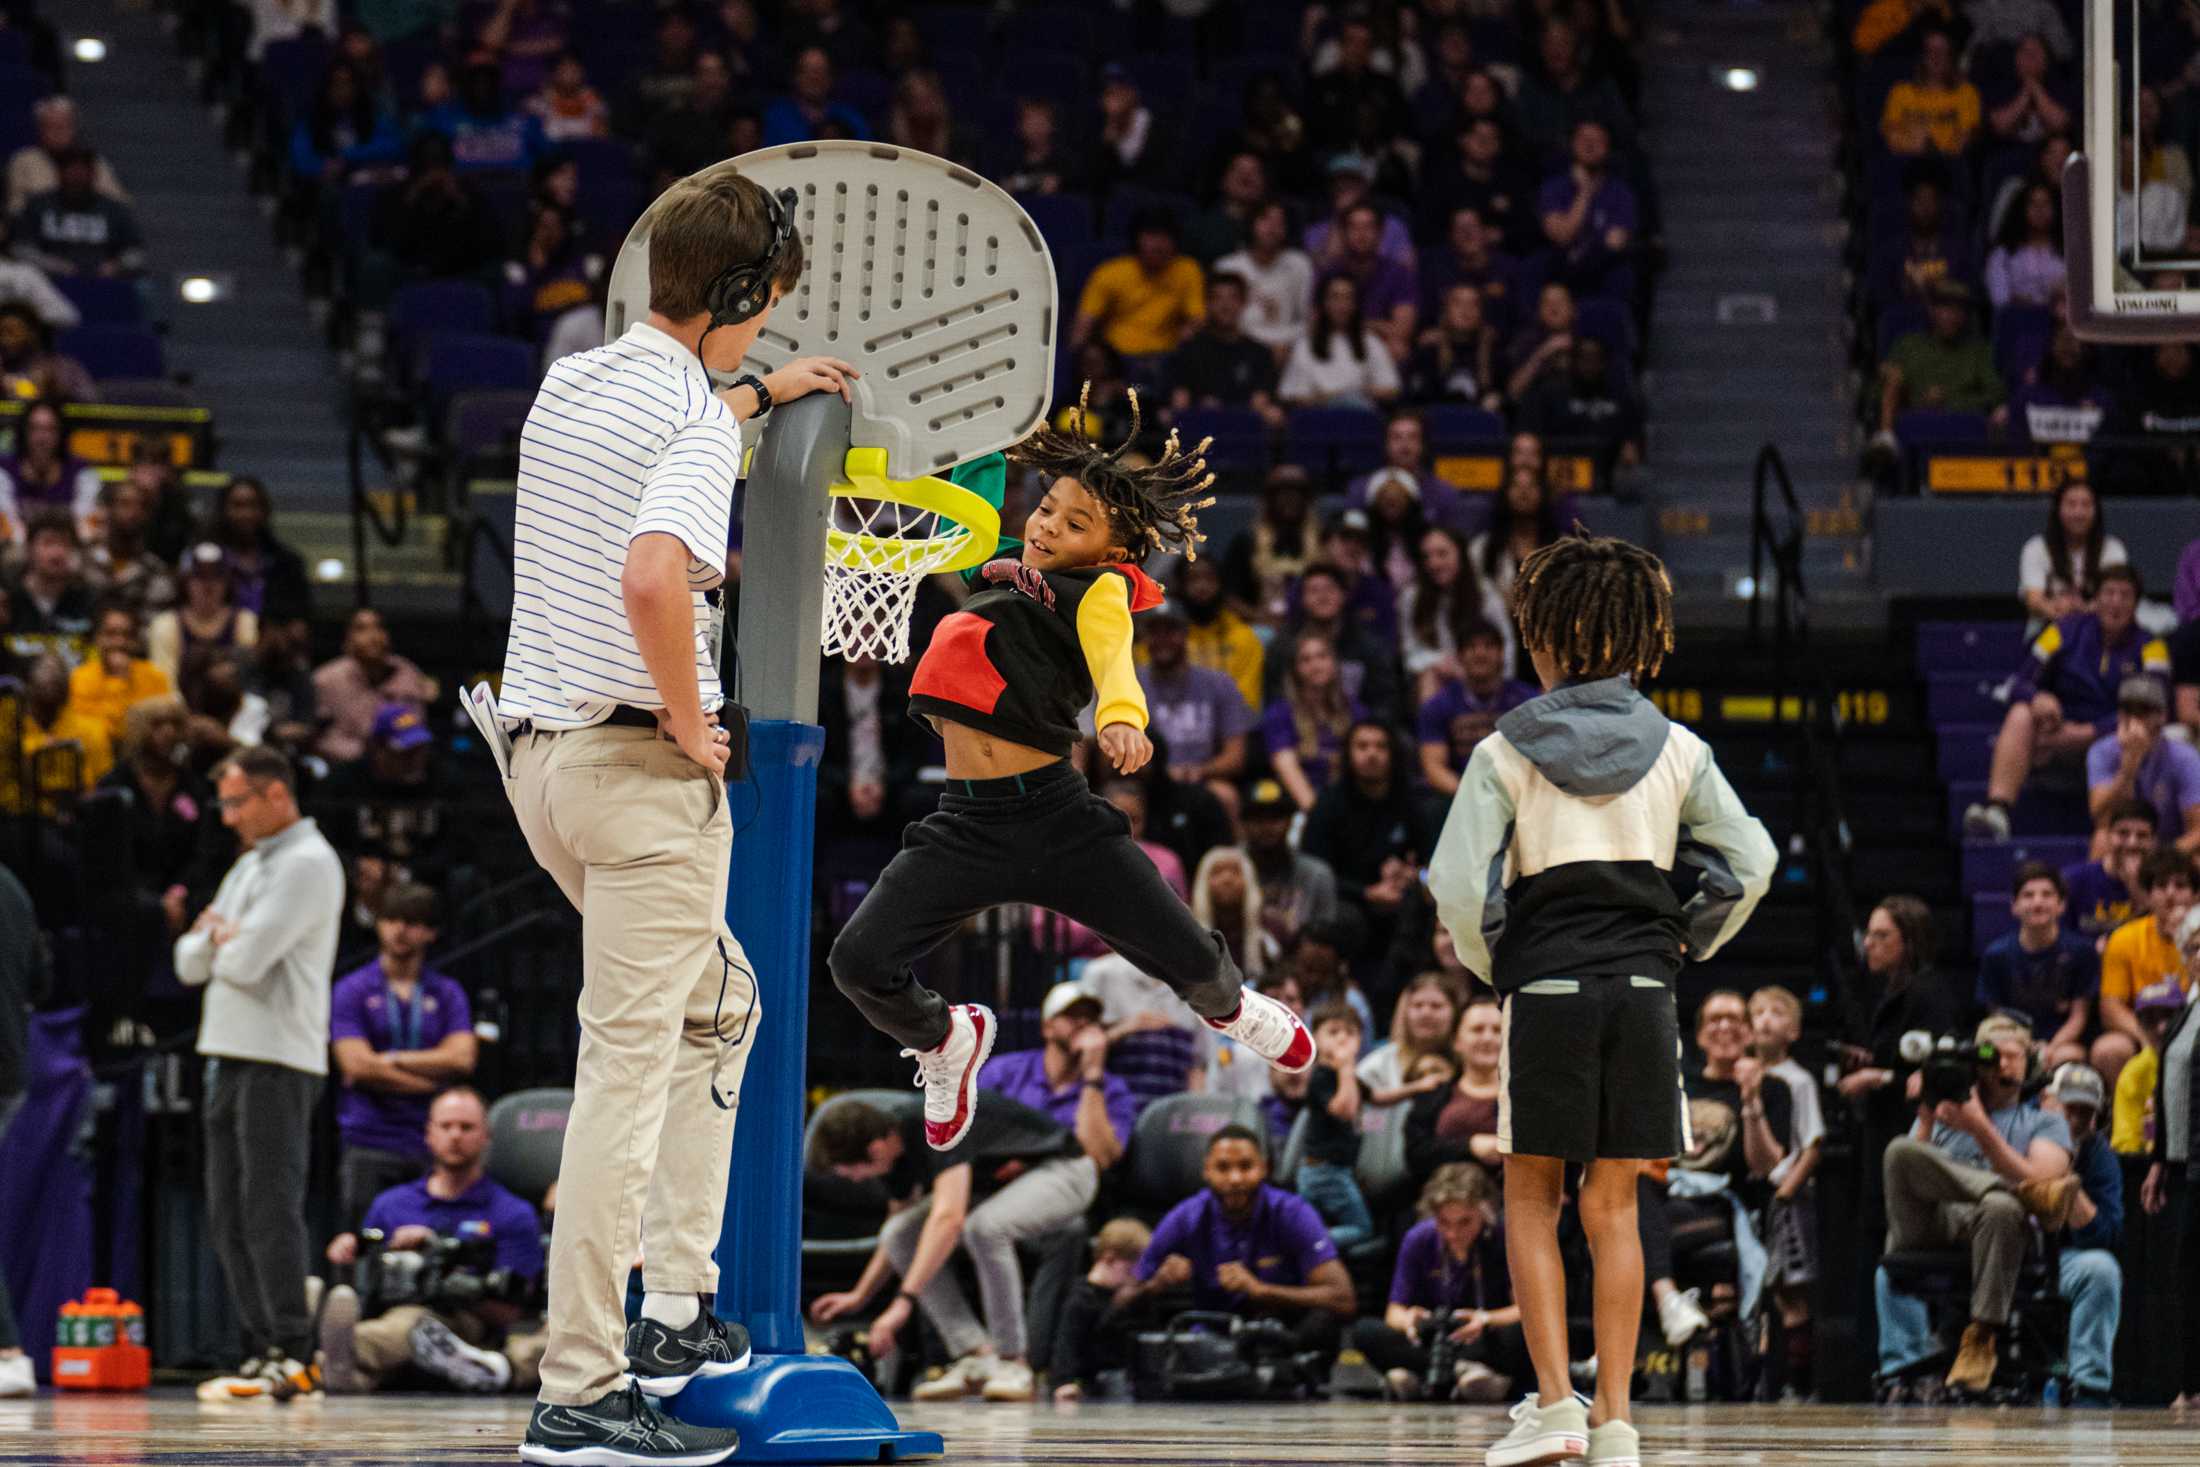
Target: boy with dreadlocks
x=1552, y=875
x=1004, y=680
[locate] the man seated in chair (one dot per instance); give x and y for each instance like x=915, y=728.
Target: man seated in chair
x=1019, y=1176
x=1243, y=1247
x=1965, y=1177
x=453, y=1308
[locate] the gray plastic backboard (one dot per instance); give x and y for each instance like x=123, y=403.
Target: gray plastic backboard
x=931, y=280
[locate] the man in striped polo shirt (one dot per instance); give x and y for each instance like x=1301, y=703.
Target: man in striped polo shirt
x=626, y=481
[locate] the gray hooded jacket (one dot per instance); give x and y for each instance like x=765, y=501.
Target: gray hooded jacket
x=1557, y=854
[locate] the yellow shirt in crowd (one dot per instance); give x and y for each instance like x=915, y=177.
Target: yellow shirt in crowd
x=51, y=776
x=1919, y=118
x=1143, y=315
x=2138, y=954
x=2127, y=1131
x=96, y=695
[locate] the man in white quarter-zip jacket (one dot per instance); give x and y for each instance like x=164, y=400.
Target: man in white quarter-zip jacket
x=264, y=951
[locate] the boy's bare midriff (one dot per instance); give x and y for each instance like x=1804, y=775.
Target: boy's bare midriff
x=975, y=755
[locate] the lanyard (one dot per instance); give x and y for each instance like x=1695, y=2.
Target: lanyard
x=404, y=1017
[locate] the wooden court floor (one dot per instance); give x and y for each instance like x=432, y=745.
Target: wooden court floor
x=171, y=1427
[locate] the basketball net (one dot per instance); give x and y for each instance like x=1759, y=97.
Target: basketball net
x=877, y=553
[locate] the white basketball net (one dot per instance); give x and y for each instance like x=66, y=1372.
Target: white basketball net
x=877, y=553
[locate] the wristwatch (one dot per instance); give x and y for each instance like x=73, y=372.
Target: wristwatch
x=756, y=385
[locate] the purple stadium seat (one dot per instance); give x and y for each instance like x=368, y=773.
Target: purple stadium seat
x=115, y=351
x=1065, y=28
x=1922, y=427
x=1989, y=866
x=1990, y=918
x=101, y=301
x=1064, y=220
x=1126, y=204
x=1897, y=321
x=2042, y=810
x=2021, y=335
x=463, y=361
x=1162, y=79
x=1964, y=697
x=1455, y=427
x=1241, y=438
x=1963, y=646
x=1053, y=74
x=1966, y=749
x=1610, y=322
x=483, y=422
x=1336, y=441
x=417, y=312
x=291, y=72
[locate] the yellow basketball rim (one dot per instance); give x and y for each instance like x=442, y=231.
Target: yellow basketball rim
x=967, y=520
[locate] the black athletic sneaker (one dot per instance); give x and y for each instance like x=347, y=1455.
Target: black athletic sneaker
x=622, y=1430
x=663, y=1360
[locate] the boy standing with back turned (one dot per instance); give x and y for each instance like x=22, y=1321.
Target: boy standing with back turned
x=1552, y=878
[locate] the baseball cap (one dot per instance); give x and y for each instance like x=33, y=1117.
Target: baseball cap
x=2076, y=1084
x=1065, y=996
x=2163, y=995
x=1269, y=798
x=205, y=559
x=1115, y=73
x=1350, y=162
x=2140, y=693
x=1347, y=522
x=400, y=727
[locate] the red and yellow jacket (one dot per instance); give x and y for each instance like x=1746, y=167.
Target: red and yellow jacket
x=1032, y=648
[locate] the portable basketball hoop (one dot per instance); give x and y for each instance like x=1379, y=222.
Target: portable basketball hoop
x=938, y=287
x=884, y=537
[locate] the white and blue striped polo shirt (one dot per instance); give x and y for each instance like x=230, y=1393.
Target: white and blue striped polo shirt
x=623, y=440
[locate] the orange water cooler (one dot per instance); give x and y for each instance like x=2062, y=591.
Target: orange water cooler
x=100, y=1345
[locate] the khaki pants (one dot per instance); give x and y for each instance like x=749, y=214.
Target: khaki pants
x=638, y=837
x=1934, y=1202
x=381, y=1344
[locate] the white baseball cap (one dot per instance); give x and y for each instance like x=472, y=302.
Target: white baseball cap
x=1062, y=996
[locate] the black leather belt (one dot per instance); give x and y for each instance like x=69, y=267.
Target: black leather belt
x=623, y=715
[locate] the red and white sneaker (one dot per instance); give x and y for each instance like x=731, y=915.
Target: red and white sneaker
x=1270, y=1030
x=948, y=1075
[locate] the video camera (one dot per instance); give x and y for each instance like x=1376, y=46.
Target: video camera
x=447, y=1273
x=1948, y=1066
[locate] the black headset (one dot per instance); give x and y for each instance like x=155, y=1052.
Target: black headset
x=741, y=292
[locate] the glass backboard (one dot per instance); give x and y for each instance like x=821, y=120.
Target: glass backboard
x=2133, y=254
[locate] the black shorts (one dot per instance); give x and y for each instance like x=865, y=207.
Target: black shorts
x=1591, y=1068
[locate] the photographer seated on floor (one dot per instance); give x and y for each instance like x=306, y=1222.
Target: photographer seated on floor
x=1977, y=1161
x=1017, y=1176
x=1451, y=1329
x=1249, y=1249
x=445, y=1268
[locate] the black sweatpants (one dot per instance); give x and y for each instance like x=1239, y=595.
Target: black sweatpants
x=1503, y=1348
x=366, y=1172
x=1042, y=838
x=11, y=1337
x=259, y=1132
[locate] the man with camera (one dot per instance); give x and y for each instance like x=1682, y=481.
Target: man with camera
x=1978, y=1160
x=448, y=1266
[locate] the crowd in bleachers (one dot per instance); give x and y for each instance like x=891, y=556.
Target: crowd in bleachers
x=1960, y=119
x=1439, y=204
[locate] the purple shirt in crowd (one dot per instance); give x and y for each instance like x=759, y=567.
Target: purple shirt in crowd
x=2098, y=902
x=1611, y=207
x=1022, y=1077
x=2185, y=596
x=1282, y=1240
x=484, y=1210
x=364, y=1006
x=1196, y=710
x=1428, y=1277
x=1280, y=732
x=1439, y=717
x=2169, y=779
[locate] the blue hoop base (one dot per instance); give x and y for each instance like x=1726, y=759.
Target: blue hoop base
x=804, y=1408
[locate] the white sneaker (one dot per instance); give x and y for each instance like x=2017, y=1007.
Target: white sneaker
x=948, y=1075
x=1614, y=1444
x=437, y=1349
x=1270, y=1030
x=1477, y=1383
x=17, y=1377
x=1010, y=1381
x=1681, y=1317
x=1986, y=822
x=1400, y=1384
x=1542, y=1434
x=966, y=1377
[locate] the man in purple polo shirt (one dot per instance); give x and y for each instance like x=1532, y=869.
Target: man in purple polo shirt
x=1067, y=1076
x=2137, y=763
x=400, y=1032
x=1244, y=1247
x=475, y=1346
x=1465, y=710
x=1390, y=293
x=1589, y=217
x=2100, y=891
x=1199, y=710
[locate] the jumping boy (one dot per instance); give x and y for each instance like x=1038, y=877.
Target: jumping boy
x=1552, y=878
x=1003, y=681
